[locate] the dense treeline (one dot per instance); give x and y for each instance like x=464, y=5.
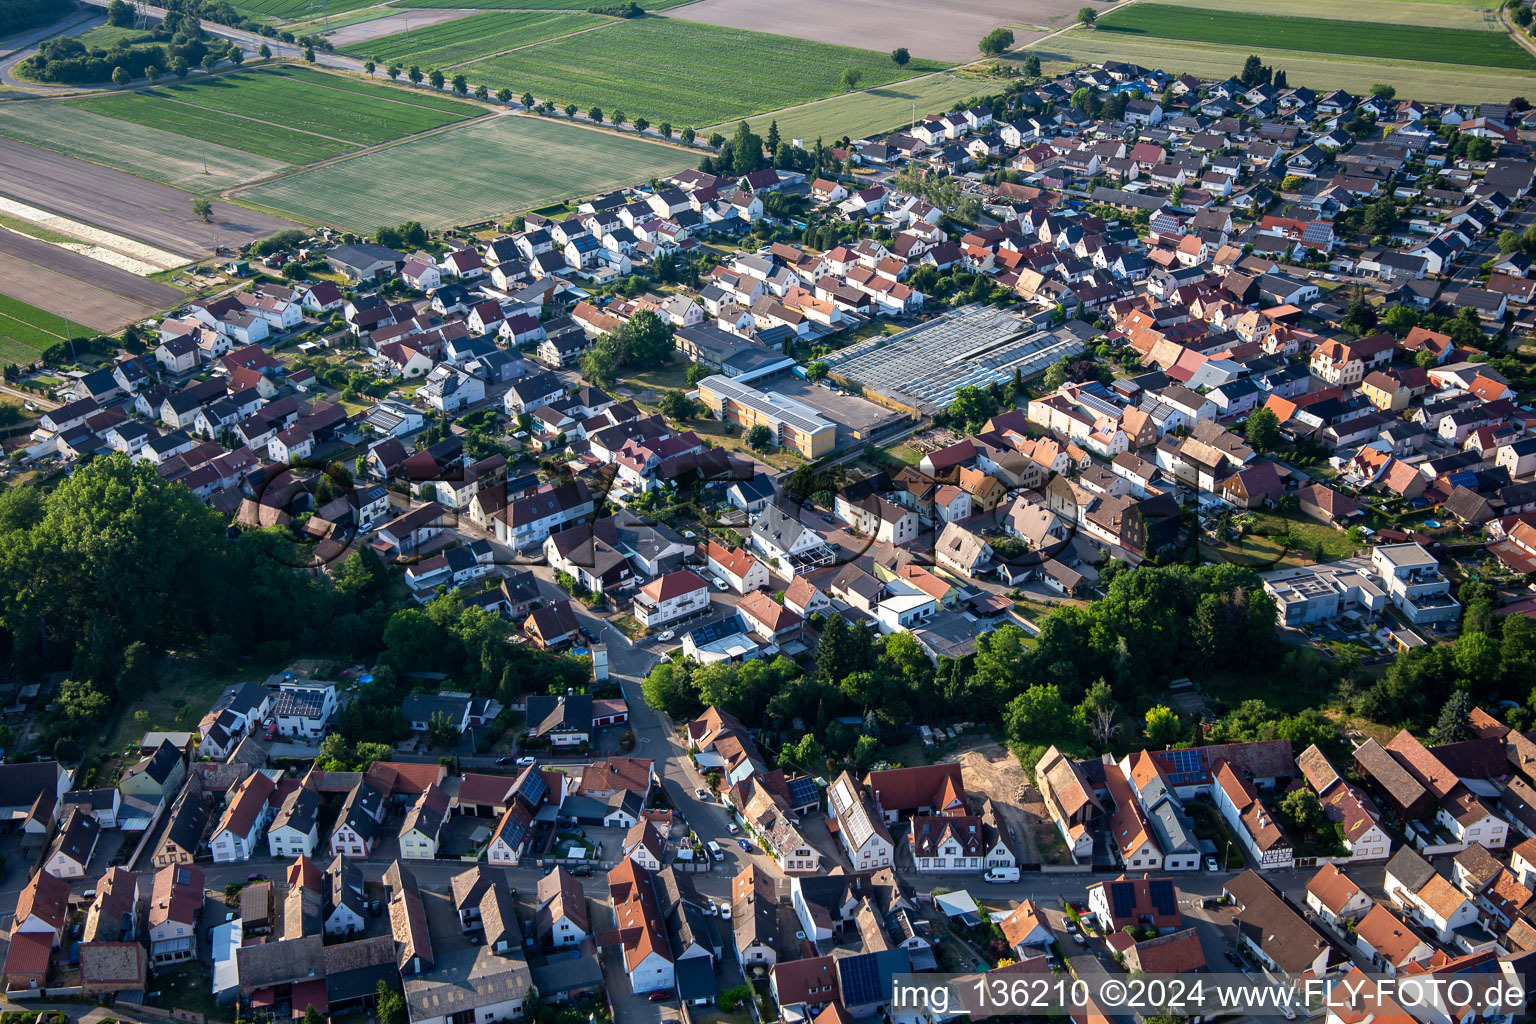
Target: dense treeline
x=1091, y=674
x=117, y=566
x=174, y=46
x=18, y=15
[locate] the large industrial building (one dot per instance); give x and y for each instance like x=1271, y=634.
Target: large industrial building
x=794, y=424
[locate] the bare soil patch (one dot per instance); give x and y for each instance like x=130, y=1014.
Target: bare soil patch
x=98, y=275
x=939, y=31
x=393, y=24
x=992, y=770
x=66, y=296
x=157, y=214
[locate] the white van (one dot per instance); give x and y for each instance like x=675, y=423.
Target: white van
x=715, y=852
x=1001, y=875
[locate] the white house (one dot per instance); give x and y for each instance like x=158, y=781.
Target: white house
x=248, y=811
x=295, y=829
x=304, y=708
x=862, y=832
x=672, y=597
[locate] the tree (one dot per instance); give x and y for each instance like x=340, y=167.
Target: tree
x=369, y=66
x=1292, y=182
x=119, y=76
x=760, y=437
x=1426, y=359
x=1032, y=66
x=816, y=370
x=1384, y=92
x=675, y=405
x=415, y=75
x=746, y=150
x=266, y=54
x=596, y=115
x=598, y=367
x=442, y=734
x=235, y=54
x=1086, y=16
x=151, y=73
x=1479, y=149
x=851, y=77
x=1508, y=241
x=1081, y=97
x=309, y=54
x=641, y=124
x=1400, y=320
x=394, y=72
x=665, y=129
x=1100, y=711
x=772, y=140
x=313, y=1016
x=687, y=136
x=1262, y=430
x=482, y=93
x=119, y=14
x=899, y=55
x=1360, y=316
x=1301, y=810
x=995, y=42
x=1163, y=725
x=389, y=1006
x=1055, y=374
x=202, y=209
x=461, y=85
x=436, y=78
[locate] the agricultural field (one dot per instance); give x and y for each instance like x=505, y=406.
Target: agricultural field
x=534, y=5
x=292, y=119
x=946, y=31
x=158, y=109
x=379, y=89
x=466, y=39
x=1431, y=82
x=297, y=10
x=478, y=172
x=376, y=23
x=25, y=331
x=684, y=72
x=1400, y=42
x=874, y=111
x=148, y=152
x=1471, y=14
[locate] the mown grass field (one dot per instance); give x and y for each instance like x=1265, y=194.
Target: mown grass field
x=873, y=111
x=480, y=171
x=1473, y=14
x=1439, y=83
x=464, y=40
x=686, y=72
x=25, y=331
x=293, y=119
x=1405, y=43
x=145, y=151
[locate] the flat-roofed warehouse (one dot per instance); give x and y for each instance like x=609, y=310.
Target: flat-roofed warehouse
x=922, y=367
x=794, y=424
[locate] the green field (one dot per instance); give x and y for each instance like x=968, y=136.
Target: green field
x=875, y=111
x=157, y=109
x=464, y=40
x=1405, y=43
x=380, y=89
x=1436, y=83
x=147, y=152
x=25, y=331
x=533, y=5
x=294, y=119
x=686, y=72
x=480, y=171
x=1471, y=14
x=297, y=10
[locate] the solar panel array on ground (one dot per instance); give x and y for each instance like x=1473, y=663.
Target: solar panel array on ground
x=974, y=345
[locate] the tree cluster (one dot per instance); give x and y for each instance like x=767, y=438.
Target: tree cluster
x=642, y=340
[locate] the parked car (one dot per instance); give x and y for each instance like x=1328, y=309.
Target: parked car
x=720, y=584
x=730, y=827
x=665, y=634
x=524, y=762
x=509, y=759
x=661, y=995
x=1210, y=864
x=702, y=794
x=725, y=910
x=715, y=853
x=746, y=847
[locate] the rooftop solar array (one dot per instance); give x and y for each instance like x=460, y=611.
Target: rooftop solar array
x=532, y=787
x=1164, y=902
x=975, y=345
x=776, y=407
x=802, y=791
x=859, y=978
x=1190, y=767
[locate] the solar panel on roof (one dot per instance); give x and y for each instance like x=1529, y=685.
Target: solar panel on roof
x=802, y=790
x=1123, y=900
x=860, y=979
x=1164, y=902
x=533, y=788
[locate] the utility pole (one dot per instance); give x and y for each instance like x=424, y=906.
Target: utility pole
x=69, y=335
x=204, y=146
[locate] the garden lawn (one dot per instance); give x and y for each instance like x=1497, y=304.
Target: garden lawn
x=686, y=72
x=466, y=39
x=1319, y=35
x=478, y=172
